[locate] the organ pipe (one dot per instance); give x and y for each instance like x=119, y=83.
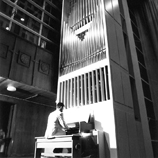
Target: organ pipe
x=83, y=35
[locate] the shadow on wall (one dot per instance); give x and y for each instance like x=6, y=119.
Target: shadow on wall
x=106, y=143
x=98, y=126
x=104, y=147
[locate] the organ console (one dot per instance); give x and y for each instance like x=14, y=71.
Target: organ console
x=81, y=140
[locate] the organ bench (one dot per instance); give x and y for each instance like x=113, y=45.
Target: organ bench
x=62, y=141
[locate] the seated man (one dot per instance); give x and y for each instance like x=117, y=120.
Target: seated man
x=56, y=124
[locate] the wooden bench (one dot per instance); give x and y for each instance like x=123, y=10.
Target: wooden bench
x=64, y=141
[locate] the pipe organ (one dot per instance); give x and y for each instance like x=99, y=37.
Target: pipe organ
x=84, y=68
x=83, y=35
x=83, y=43
x=89, y=88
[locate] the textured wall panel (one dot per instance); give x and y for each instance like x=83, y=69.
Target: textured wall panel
x=122, y=134
x=117, y=84
x=127, y=90
x=121, y=47
x=112, y=38
x=23, y=62
x=43, y=72
x=6, y=46
x=132, y=136
x=108, y=6
x=116, y=11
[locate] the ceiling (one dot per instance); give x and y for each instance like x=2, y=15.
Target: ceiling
x=26, y=92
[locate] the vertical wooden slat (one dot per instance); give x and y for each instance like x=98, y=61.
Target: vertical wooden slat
x=89, y=88
x=97, y=85
x=85, y=88
x=60, y=91
x=68, y=94
x=82, y=90
x=78, y=91
x=75, y=90
x=105, y=83
x=93, y=87
x=61, y=100
x=72, y=94
x=65, y=94
x=102, y=85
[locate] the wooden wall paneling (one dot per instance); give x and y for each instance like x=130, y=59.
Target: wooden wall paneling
x=140, y=141
x=30, y=121
x=108, y=6
x=117, y=84
x=112, y=38
x=122, y=134
x=132, y=136
x=143, y=114
x=43, y=71
x=127, y=92
x=116, y=11
x=23, y=62
x=7, y=42
x=155, y=147
x=121, y=47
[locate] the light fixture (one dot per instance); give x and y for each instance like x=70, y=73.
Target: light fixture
x=22, y=19
x=11, y=88
x=7, y=28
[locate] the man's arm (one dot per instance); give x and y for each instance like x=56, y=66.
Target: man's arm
x=62, y=121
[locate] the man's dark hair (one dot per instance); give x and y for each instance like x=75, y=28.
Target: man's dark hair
x=59, y=105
